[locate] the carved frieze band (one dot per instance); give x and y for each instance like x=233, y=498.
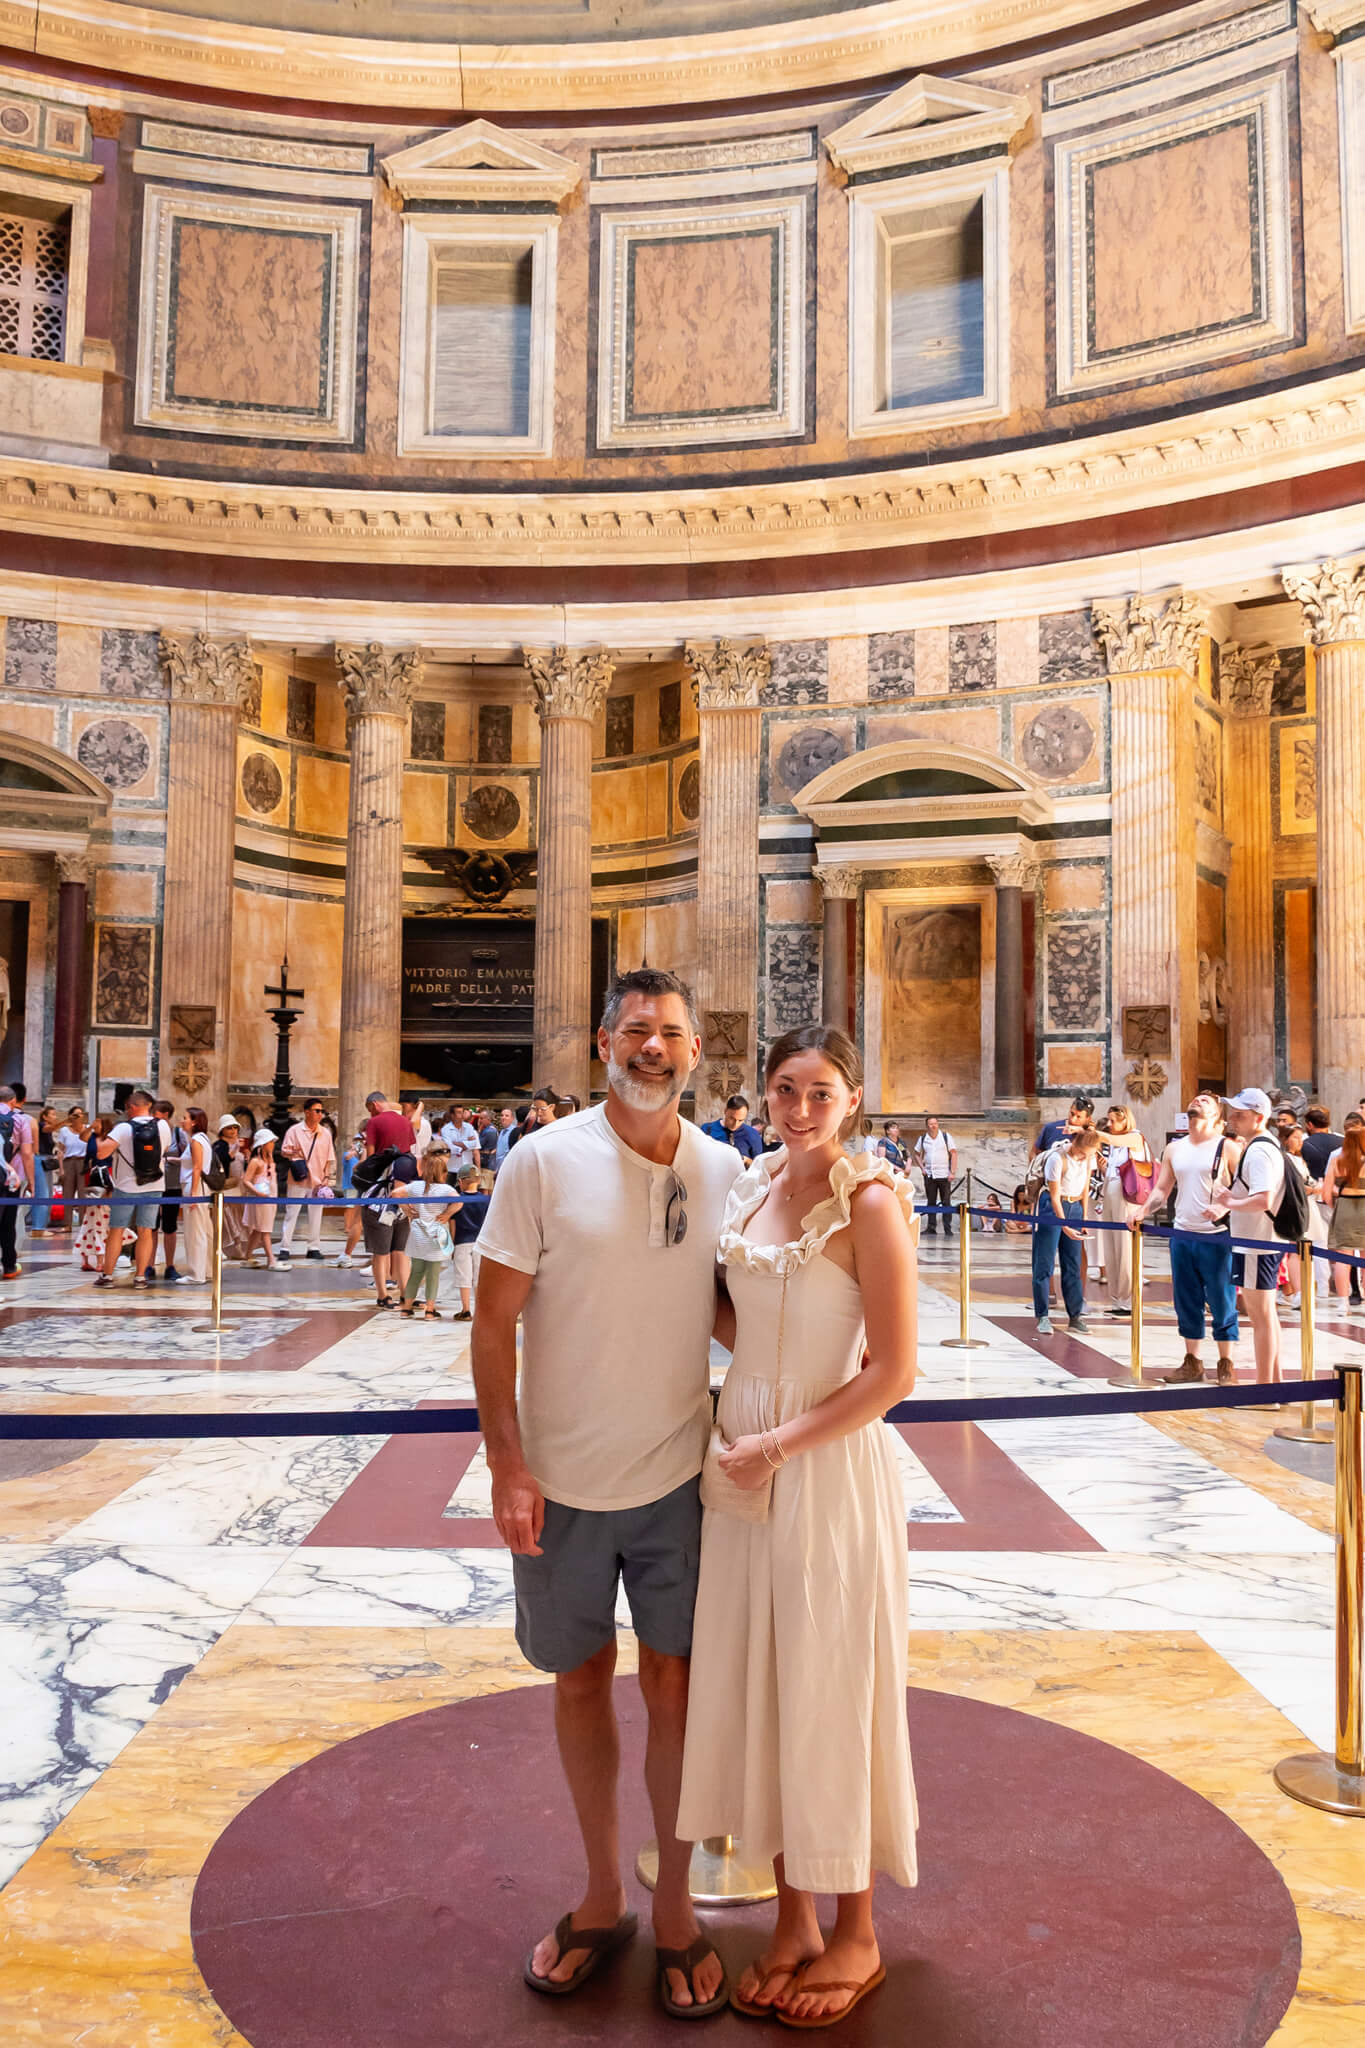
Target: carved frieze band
x=378, y=681
x=1247, y=679
x=1332, y=594
x=1251, y=442
x=727, y=675
x=569, y=682
x=1143, y=634
x=200, y=669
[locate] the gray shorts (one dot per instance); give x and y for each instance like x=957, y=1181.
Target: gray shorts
x=566, y=1598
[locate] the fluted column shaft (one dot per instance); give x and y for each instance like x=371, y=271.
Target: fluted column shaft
x=208, y=681
x=836, y=985
x=1341, y=873
x=69, y=1004
x=1248, y=681
x=378, y=683
x=570, y=687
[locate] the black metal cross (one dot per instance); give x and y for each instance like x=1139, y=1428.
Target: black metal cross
x=286, y=994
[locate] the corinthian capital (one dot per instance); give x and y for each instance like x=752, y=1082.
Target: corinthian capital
x=569, y=682
x=378, y=681
x=727, y=675
x=1332, y=594
x=73, y=867
x=1012, y=870
x=202, y=670
x=838, y=884
x=1148, y=633
x=1247, y=678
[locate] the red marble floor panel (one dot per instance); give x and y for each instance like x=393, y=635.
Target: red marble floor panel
x=315, y=1331
x=388, y=1890
x=398, y=1501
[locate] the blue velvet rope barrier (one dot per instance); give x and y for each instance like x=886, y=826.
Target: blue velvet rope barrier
x=464, y=1420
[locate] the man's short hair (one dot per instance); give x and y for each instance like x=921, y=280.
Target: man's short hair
x=7, y=1094
x=141, y=1095
x=377, y=1097
x=409, y=1095
x=1084, y=1104
x=1317, y=1117
x=466, y=1175
x=648, y=981
x=164, y=1108
x=736, y=1102
x=313, y=1102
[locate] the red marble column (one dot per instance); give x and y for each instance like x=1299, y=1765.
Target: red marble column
x=68, y=1034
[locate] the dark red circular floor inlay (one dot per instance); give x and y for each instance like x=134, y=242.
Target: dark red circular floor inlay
x=384, y=1895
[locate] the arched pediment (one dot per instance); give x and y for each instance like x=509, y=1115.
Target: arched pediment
x=912, y=772
x=915, y=800
x=48, y=801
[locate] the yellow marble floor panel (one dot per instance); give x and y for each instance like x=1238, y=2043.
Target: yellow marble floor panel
x=94, y=1930
x=1233, y=1441
x=41, y=1508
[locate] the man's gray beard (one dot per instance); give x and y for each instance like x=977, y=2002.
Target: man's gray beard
x=638, y=1093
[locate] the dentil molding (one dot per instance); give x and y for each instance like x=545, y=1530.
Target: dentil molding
x=1225, y=449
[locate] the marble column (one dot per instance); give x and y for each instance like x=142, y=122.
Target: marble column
x=208, y=680
x=1247, y=679
x=569, y=686
x=73, y=882
x=1152, y=648
x=1332, y=594
x=1014, y=1083
x=378, y=684
x=727, y=679
x=839, y=886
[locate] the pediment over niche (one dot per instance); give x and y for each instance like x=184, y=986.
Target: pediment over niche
x=481, y=162
x=926, y=118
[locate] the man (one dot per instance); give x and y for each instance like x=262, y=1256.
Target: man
x=168, y=1223
x=1062, y=1206
x=1080, y=1117
x=16, y=1176
x=502, y=1145
x=310, y=1141
x=136, y=1150
x=463, y=1139
x=382, y=1223
x=601, y=1231
x=386, y=1126
x=1285, y=1121
x=1195, y=1166
x=937, y=1156
x=1257, y=1189
x=732, y=1127
x=414, y=1109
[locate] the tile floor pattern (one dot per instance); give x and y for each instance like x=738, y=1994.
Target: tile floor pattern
x=177, y=1626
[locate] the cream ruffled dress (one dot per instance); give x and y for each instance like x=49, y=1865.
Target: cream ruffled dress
x=796, y=1731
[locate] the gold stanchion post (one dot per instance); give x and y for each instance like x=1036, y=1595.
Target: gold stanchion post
x=1133, y=1376
x=718, y=1875
x=1305, y=1430
x=964, y=1341
x=217, y=1325
x=1336, y=1783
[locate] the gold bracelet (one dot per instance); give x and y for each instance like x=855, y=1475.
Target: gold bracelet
x=768, y=1459
x=782, y=1458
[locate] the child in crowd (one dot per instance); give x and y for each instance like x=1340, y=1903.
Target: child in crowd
x=429, y=1245
x=995, y=1220
x=259, y=1217
x=469, y=1217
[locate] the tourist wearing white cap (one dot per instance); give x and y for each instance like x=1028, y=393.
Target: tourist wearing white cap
x=260, y=1216
x=1252, y=1200
x=230, y=1154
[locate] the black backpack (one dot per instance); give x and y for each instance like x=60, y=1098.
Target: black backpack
x=369, y=1173
x=9, y=1134
x=148, y=1159
x=1290, y=1218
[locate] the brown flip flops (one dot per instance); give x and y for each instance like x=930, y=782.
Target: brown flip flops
x=685, y=1961
x=750, y=2007
x=832, y=2019
x=601, y=1943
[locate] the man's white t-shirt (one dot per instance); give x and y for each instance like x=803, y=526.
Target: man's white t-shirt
x=1192, y=1165
x=1261, y=1172
x=463, y=1141
x=935, y=1154
x=120, y=1161
x=614, y=1399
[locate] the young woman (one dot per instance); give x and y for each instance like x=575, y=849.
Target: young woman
x=429, y=1245
x=1063, y=1207
x=94, y=1226
x=1019, y=1208
x=1123, y=1144
x=196, y=1226
x=259, y=1217
x=796, y=1731
x=1343, y=1197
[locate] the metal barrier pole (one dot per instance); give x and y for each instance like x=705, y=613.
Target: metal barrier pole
x=1305, y=1430
x=1133, y=1376
x=217, y=1325
x=1336, y=1783
x=964, y=1341
x=718, y=1875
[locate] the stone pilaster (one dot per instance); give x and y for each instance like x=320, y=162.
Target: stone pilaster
x=569, y=686
x=378, y=684
x=69, y=1008
x=1014, y=1083
x=1332, y=594
x=1248, y=679
x=839, y=887
x=727, y=678
x=1152, y=648
x=209, y=679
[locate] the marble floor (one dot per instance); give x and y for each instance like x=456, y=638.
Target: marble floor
x=182, y=1622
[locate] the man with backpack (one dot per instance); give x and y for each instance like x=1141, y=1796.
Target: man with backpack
x=16, y=1176
x=1267, y=1202
x=136, y=1150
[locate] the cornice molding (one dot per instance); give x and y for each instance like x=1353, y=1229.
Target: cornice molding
x=834, y=49
x=924, y=119
x=1334, y=17
x=1225, y=449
